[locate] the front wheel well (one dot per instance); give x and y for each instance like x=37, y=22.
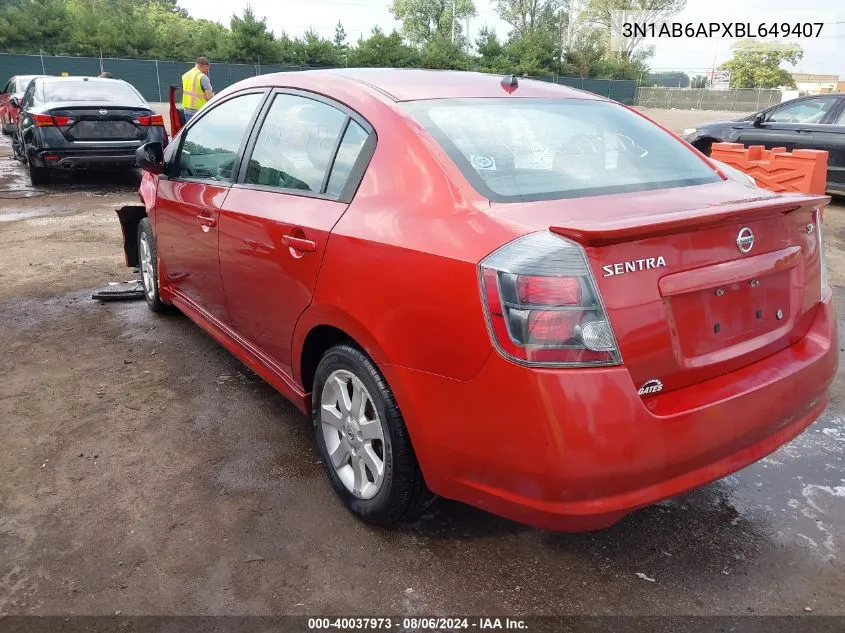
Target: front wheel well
x=703, y=144
x=318, y=341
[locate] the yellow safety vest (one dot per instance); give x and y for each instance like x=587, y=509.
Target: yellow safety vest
x=193, y=96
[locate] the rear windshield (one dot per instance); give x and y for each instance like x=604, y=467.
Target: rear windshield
x=108, y=91
x=514, y=149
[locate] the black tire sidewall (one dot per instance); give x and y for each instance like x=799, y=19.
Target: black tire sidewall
x=145, y=230
x=378, y=508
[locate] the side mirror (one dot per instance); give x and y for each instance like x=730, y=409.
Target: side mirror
x=150, y=157
x=15, y=102
x=758, y=120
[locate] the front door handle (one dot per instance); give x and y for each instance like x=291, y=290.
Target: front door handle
x=299, y=243
x=206, y=223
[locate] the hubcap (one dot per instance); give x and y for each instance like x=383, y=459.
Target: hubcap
x=353, y=434
x=147, y=268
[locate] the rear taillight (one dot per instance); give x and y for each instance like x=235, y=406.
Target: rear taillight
x=51, y=120
x=43, y=120
x=825, y=283
x=155, y=120
x=543, y=306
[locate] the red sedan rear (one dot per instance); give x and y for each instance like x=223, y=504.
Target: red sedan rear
x=517, y=295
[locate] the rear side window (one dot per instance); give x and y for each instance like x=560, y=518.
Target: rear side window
x=545, y=149
x=295, y=144
x=350, y=147
x=212, y=143
x=110, y=91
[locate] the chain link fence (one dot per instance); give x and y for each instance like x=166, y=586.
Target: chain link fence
x=738, y=100
x=621, y=90
x=153, y=78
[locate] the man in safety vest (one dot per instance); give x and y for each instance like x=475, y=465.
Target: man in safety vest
x=196, y=88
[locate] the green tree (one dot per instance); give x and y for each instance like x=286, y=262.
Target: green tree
x=534, y=53
x=601, y=12
x=317, y=51
x=442, y=52
x=492, y=56
x=757, y=64
x=423, y=19
x=251, y=40
x=384, y=50
x=526, y=15
x=698, y=82
x=340, y=36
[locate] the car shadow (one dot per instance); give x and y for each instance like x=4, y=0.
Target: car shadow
x=99, y=181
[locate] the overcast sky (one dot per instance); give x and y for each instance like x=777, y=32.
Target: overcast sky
x=822, y=55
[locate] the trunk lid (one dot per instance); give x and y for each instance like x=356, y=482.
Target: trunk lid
x=697, y=281
x=107, y=123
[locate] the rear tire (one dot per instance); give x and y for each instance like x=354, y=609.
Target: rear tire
x=7, y=129
x=39, y=176
x=348, y=389
x=148, y=262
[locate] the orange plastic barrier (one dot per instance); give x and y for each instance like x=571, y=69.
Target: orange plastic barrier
x=803, y=170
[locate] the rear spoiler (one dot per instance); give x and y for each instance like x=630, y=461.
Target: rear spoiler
x=622, y=229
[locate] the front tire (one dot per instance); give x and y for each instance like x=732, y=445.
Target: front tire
x=148, y=260
x=363, y=442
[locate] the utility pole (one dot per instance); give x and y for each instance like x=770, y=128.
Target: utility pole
x=453, y=20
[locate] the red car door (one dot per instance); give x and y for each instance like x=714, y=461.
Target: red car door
x=189, y=200
x=304, y=162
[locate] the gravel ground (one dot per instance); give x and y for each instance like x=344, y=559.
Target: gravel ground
x=145, y=470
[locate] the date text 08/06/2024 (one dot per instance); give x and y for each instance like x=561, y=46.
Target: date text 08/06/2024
x=421, y=623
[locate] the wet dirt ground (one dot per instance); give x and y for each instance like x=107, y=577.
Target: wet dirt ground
x=144, y=470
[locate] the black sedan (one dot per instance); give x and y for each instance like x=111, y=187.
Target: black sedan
x=82, y=123
x=815, y=122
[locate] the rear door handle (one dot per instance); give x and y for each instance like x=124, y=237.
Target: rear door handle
x=299, y=243
x=206, y=223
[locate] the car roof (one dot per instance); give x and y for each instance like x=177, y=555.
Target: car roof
x=52, y=80
x=416, y=84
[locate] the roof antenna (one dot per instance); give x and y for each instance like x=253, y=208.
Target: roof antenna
x=510, y=83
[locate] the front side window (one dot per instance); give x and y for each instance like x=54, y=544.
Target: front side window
x=544, y=149
x=212, y=143
x=806, y=111
x=295, y=144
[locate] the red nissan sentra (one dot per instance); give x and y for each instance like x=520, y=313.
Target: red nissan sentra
x=510, y=293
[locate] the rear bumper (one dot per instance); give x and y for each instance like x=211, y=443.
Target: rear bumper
x=576, y=450
x=56, y=159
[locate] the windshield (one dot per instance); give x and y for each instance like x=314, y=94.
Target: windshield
x=543, y=149
x=107, y=91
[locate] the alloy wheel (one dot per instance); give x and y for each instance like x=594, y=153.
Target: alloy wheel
x=353, y=434
x=147, y=270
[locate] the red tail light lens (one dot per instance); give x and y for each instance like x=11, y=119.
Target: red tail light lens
x=43, y=120
x=543, y=306
x=155, y=120
x=51, y=120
